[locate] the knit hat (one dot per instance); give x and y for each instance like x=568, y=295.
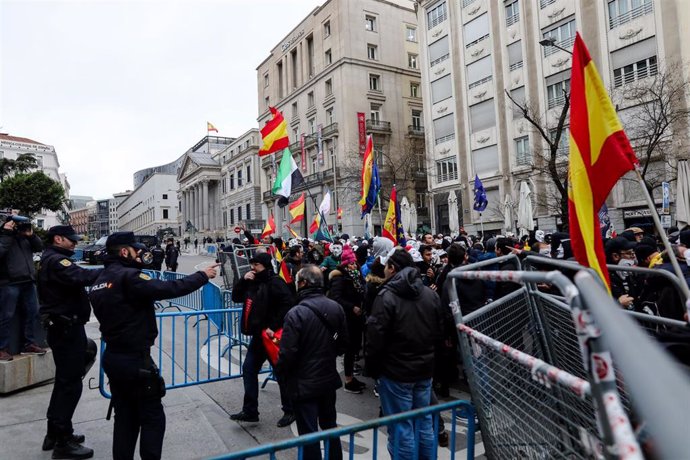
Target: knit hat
x=348, y=256
x=380, y=248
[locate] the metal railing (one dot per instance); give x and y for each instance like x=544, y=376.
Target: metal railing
x=474, y=84
x=446, y=138
x=458, y=410
x=438, y=60
x=378, y=125
x=516, y=65
x=566, y=44
x=467, y=2
x=544, y=3
x=510, y=20
x=415, y=130
x=634, y=75
x=635, y=13
x=480, y=39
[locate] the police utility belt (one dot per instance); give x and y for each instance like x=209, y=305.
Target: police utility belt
x=61, y=322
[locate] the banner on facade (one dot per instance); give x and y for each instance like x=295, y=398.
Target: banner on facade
x=362, y=125
x=665, y=198
x=302, y=152
x=319, y=144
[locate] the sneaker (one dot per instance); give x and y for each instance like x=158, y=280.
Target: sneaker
x=360, y=384
x=33, y=349
x=244, y=417
x=286, y=420
x=353, y=387
x=49, y=440
x=5, y=356
x=70, y=449
x=443, y=439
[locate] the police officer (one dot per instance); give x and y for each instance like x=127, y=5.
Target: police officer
x=123, y=300
x=158, y=257
x=64, y=311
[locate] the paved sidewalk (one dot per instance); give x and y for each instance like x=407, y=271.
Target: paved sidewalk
x=197, y=427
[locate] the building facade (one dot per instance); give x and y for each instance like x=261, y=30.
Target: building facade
x=99, y=220
x=151, y=207
x=350, y=68
x=477, y=56
x=79, y=220
x=46, y=157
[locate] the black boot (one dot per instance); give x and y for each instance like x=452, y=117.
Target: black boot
x=49, y=440
x=71, y=450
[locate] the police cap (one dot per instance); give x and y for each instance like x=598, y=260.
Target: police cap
x=120, y=239
x=63, y=230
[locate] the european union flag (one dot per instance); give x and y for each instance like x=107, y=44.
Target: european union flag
x=480, y=200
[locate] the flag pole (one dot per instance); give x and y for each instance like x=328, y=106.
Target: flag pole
x=378, y=198
x=664, y=238
x=481, y=223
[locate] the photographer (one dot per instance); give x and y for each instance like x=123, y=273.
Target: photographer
x=18, y=283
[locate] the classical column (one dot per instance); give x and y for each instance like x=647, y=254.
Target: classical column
x=197, y=205
x=185, y=214
x=204, y=203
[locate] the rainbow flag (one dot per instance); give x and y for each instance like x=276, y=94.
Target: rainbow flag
x=392, y=226
x=297, y=209
x=274, y=134
x=600, y=153
x=371, y=183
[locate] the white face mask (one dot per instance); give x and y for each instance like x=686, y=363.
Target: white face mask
x=336, y=250
x=627, y=262
x=559, y=252
x=545, y=252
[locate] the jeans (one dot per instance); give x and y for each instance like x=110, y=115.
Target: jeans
x=23, y=296
x=253, y=361
x=399, y=397
x=312, y=414
x=69, y=353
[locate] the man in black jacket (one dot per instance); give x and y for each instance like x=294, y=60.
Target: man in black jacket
x=171, y=255
x=403, y=331
x=65, y=308
x=266, y=299
x=123, y=300
x=18, y=243
x=314, y=334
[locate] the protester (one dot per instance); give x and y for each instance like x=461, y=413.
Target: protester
x=624, y=286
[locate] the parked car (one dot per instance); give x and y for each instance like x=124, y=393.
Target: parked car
x=93, y=253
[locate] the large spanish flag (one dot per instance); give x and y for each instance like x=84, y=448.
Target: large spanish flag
x=270, y=227
x=392, y=226
x=274, y=134
x=600, y=153
x=297, y=209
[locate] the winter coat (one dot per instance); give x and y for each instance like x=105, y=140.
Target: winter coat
x=16, y=257
x=371, y=290
x=308, y=351
x=266, y=300
x=404, y=329
x=343, y=291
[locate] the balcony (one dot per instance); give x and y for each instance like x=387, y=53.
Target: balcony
x=310, y=181
x=378, y=126
x=415, y=131
x=329, y=130
x=294, y=147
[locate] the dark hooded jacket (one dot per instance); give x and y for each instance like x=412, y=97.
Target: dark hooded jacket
x=266, y=299
x=16, y=257
x=404, y=328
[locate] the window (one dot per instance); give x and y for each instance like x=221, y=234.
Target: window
x=564, y=34
x=518, y=95
x=375, y=112
x=482, y=116
x=294, y=67
x=311, y=125
x=441, y=89
x=328, y=57
x=436, y=15
x=636, y=71
x=444, y=129
x=294, y=110
x=327, y=29
x=411, y=34
x=476, y=30
x=412, y=60
x=223, y=185
x=165, y=196
x=310, y=99
x=225, y=218
x=485, y=161
x=438, y=51
x=310, y=55
x=239, y=178
x=329, y=87
x=266, y=81
x=515, y=55
x=479, y=72
x=232, y=217
x=370, y=23
x=232, y=182
x=267, y=102
x=414, y=89
x=374, y=82
x=372, y=52
x=279, y=67
x=165, y=214
x=329, y=116
x=555, y=93
x=416, y=119
x=446, y=169
x=522, y=154
x=40, y=223
x=622, y=11
x=512, y=13
x=249, y=174
x=248, y=211
x=239, y=213
x=313, y=164
x=295, y=132
x=563, y=142
x=544, y=3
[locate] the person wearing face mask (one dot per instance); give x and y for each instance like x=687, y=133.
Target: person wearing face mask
x=332, y=261
x=123, y=300
x=620, y=251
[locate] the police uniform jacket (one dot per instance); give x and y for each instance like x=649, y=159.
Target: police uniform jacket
x=123, y=300
x=61, y=285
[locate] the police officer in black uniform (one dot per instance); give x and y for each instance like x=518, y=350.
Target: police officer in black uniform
x=64, y=310
x=123, y=300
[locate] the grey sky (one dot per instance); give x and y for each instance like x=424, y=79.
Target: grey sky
x=117, y=86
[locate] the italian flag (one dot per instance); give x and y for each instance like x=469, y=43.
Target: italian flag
x=288, y=177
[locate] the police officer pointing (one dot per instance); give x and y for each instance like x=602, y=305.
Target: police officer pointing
x=64, y=311
x=123, y=301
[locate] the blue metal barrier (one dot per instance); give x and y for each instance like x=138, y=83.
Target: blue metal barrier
x=458, y=409
x=78, y=255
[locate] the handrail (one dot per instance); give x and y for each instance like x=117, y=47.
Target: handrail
x=645, y=368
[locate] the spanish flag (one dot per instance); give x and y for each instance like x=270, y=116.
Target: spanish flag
x=315, y=224
x=292, y=232
x=283, y=269
x=600, y=153
x=210, y=127
x=392, y=226
x=297, y=209
x=371, y=184
x=274, y=134
x=270, y=227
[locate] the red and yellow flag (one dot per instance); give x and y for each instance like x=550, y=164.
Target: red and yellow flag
x=297, y=209
x=274, y=134
x=315, y=224
x=600, y=153
x=340, y=213
x=210, y=127
x=270, y=227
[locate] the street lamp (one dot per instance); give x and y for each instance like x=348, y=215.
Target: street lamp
x=551, y=41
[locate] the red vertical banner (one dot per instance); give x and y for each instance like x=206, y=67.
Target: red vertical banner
x=362, y=124
x=304, y=155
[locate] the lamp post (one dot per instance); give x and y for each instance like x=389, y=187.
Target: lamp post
x=551, y=41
